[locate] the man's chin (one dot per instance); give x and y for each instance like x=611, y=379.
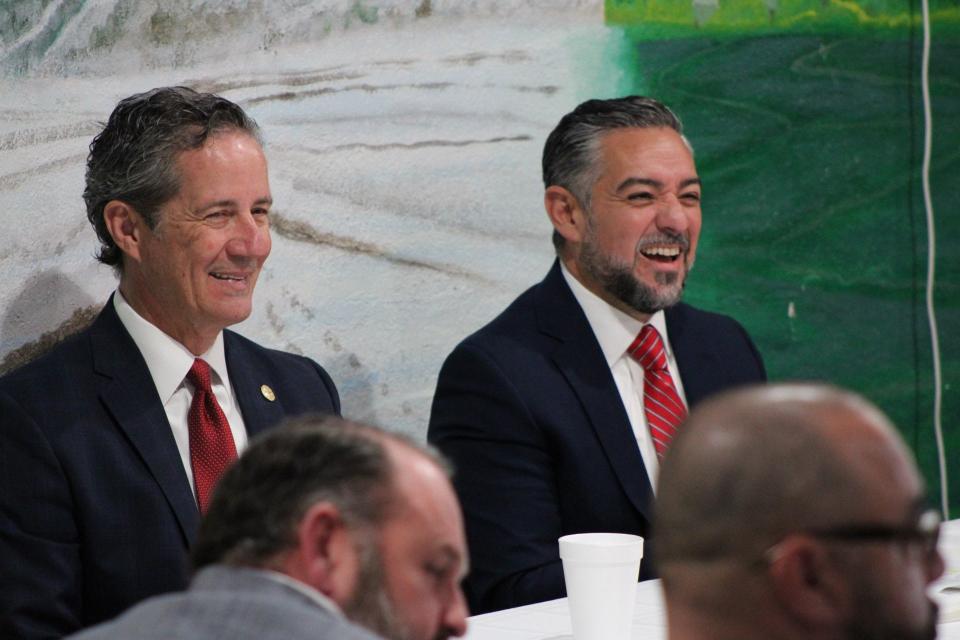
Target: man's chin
x=230, y=312
x=644, y=298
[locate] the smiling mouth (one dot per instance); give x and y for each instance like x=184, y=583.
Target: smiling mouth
x=228, y=277
x=661, y=253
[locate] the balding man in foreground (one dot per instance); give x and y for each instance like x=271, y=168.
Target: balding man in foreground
x=794, y=511
x=318, y=523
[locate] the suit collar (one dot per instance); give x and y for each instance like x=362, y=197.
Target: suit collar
x=128, y=392
x=558, y=314
x=167, y=360
x=615, y=330
x=581, y=361
x=267, y=586
x=253, y=383
x=696, y=357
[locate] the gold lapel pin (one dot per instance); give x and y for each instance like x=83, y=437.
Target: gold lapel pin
x=267, y=392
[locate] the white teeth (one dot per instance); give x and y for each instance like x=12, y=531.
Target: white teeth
x=666, y=252
x=222, y=276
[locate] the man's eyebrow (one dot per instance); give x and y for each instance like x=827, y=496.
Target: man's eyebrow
x=630, y=182
x=454, y=556
x=267, y=200
x=656, y=184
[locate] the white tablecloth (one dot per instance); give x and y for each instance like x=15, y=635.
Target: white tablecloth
x=551, y=620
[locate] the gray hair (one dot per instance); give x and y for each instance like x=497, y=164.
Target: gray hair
x=571, y=155
x=261, y=499
x=133, y=159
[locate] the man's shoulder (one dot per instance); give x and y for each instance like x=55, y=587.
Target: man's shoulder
x=305, y=384
x=533, y=318
x=515, y=334
x=233, y=604
x=244, y=356
x=518, y=316
x=64, y=360
x=714, y=351
x=695, y=316
x=236, y=344
x=692, y=321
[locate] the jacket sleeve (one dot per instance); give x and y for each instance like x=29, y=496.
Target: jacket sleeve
x=505, y=478
x=40, y=583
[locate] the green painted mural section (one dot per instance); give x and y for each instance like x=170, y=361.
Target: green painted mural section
x=808, y=127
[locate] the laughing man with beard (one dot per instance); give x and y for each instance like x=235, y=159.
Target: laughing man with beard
x=557, y=413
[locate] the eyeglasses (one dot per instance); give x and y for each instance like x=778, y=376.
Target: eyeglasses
x=925, y=533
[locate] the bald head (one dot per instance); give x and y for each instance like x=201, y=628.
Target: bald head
x=752, y=465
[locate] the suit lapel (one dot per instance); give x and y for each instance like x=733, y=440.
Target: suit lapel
x=580, y=359
x=129, y=394
x=248, y=380
x=695, y=359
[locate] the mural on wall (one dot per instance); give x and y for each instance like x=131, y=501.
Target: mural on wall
x=404, y=141
x=808, y=124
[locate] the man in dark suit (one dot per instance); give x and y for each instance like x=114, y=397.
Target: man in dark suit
x=319, y=523
x=557, y=412
x=111, y=443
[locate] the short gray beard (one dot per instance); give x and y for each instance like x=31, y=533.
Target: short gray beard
x=371, y=607
x=617, y=278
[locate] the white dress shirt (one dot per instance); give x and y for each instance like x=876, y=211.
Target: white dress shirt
x=169, y=362
x=615, y=331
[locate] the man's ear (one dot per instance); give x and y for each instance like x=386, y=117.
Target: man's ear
x=327, y=552
x=126, y=226
x=808, y=584
x=566, y=214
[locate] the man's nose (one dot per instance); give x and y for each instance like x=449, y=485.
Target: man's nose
x=936, y=565
x=455, y=616
x=671, y=215
x=251, y=237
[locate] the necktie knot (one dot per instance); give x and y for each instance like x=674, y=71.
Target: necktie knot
x=199, y=375
x=648, y=349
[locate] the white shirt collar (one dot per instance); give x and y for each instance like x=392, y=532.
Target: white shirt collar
x=320, y=599
x=168, y=360
x=614, y=329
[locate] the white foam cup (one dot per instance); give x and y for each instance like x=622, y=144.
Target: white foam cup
x=600, y=571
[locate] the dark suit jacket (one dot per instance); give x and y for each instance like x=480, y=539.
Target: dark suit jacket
x=528, y=411
x=96, y=510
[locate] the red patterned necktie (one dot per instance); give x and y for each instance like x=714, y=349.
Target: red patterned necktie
x=211, y=442
x=661, y=402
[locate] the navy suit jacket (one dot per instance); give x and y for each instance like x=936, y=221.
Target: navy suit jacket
x=96, y=511
x=529, y=413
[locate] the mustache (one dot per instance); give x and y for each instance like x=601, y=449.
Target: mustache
x=664, y=237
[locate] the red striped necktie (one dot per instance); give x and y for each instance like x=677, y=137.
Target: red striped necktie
x=211, y=442
x=661, y=402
